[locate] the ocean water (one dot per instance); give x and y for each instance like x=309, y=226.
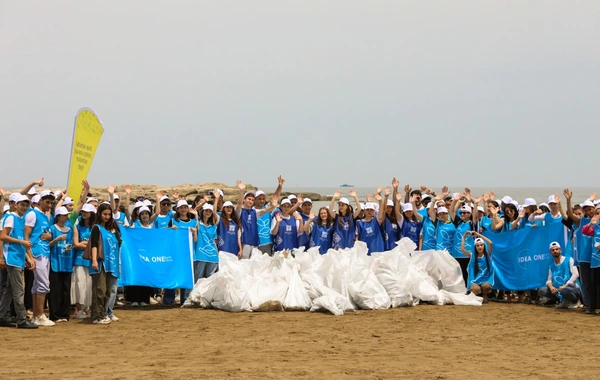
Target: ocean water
x=540, y=194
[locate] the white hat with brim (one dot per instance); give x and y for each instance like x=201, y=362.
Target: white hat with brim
x=182, y=202
x=285, y=201
x=227, y=204
x=68, y=201
x=369, y=206
x=390, y=203
x=259, y=193
x=164, y=198
x=407, y=207
x=466, y=209
x=344, y=201
x=61, y=211
x=36, y=199
x=25, y=198
x=529, y=202
x=554, y=244
x=551, y=199
x=144, y=208
x=206, y=206
x=587, y=203
x=47, y=193
x=32, y=191
x=88, y=208
x=442, y=210
x=14, y=197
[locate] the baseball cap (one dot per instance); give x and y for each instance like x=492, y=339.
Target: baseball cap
x=25, y=198
x=554, y=244
x=164, y=198
x=6, y=208
x=587, y=203
x=14, y=197
x=466, y=209
x=138, y=204
x=543, y=204
x=259, y=193
x=88, y=208
x=250, y=193
x=116, y=196
x=292, y=196
x=143, y=208
x=61, y=211
x=146, y=202
x=91, y=199
x=506, y=199
x=369, y=206
x=68, y=201
x=32, y=191
x=228, y=204
x=478, y=240
x=47, y=193
x=551, y=199
x=479, y=208
x=426, y=196
x=36, y=199
x=529, y=202
x=182, y=202
x=442, y=209
x=285, y=201
x=407, y=207
x=344, y=201
x=390, y=203
x=206, y=206
x=307, y=200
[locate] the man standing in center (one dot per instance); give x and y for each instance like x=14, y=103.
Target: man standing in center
x=249, y=217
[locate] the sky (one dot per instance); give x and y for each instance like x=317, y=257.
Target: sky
x=467, y=93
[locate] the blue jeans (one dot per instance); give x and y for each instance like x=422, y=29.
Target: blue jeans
x=203, y=269
x=169, y=297
x=110, y=304
x=570, y=293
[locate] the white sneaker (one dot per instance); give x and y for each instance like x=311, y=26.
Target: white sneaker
x=143, y=304
x=81, y=315
x=135, y=304
x=153, y=301
x=576, y=305
x=119, y=303
x=43, y=321
x=562, y=304
x=104, y=321
x=187, y=303
x=113, y=318
x=62, y=320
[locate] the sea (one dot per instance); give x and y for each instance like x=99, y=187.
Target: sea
x=540, y=194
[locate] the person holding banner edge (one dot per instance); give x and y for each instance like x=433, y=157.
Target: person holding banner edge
x=480, y=274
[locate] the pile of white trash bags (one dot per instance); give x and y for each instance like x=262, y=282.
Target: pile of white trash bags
x=339, y=281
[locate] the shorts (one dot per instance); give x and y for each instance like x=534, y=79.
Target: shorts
x=41, y=275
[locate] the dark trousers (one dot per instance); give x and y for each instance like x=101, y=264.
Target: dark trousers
x=585, y=278
x=29, y=276
x=59, y=298
x=594, y=294
x=138, y=293
x=464, y=264
x=100, y=294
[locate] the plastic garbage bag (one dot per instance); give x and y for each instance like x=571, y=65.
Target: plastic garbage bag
x=297, y=297
x=460, y=299
x=450, y=272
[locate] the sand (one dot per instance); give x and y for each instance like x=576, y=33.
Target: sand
x=427, y=342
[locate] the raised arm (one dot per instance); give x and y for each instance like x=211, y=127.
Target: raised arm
x=462, y=244
x=332, y=203
x=352, y=193
x=111, y=198
x=299, y=201
x=560, y=207
x=280, y=182
x=455, y=204
x=241, y=186
x=415, y=212
x=127, y=200
x=407, y=190
x=300, y=223
x=395, y=185
x=568, y=195
x=271, y=207
x=383, y=204
x=159, y=194
x=39, y=182
x=397, y=205
x=497, y=222
x=215, y=215
x=485, y=239
x=83, y=196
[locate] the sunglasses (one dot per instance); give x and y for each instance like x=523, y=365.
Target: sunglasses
x=165, y=204
x=464, y=212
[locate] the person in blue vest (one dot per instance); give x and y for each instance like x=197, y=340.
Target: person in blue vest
x=392, y=223
x=442, y=221
x=286, y=228
x=105, y=264
x=61, y=267
x=305, y=212
x=556, y=214
x=344, y=228
x=81, y=282
x=163, y=214
x=206, y=255
x=320, y=230
x=480, y=277
x=582, y=252
x=115, y=202
x=592, y=229
x=37, y=230
x=368, y=229
x=229, y=231
x=411, y=223
x=562, y=280
x=463, y=225
x=249, y=218
x=16, y=256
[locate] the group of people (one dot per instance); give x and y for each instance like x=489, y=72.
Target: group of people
x=65, y=253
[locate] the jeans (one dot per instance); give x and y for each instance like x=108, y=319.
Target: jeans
x=570, y=293
x=170, y=296
x=203, y=269
x=14, y=291
x=111, y=286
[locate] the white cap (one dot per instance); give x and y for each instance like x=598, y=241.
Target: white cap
x=529, y=202
x=206, y=206
x=344, y=201
x=543, y=204
x=14, y=197
x=88, y=208
x=454, y=196
x=250, y=193
x=306, y=200
x=515, y=203
x=369, y=206
x=596, y=202
x=25, y=198
x=259, y=193
x=116, y=196
x=466, y=209
x=6, y=208
x=146, y=202
x=32, y=191
x=390, y=203
x=68, y=201
x=105, y=203
x=407, y=207
x=478, y=240
x=91, y=199
x=164, y=197
x=551, y=199
x=142, y=209
x=291, y=196
x=554, y=244
x=61, y=211
x=426, y=196
x=47, y=193
x=479, y=208
x=220, y=193
x=285, y=201
x=228, y=204
x=36, y=199
x=57, y=193
x=182, y=202
x=442, y=209
x=587, y=203
x=138, y=204
x=506, y=199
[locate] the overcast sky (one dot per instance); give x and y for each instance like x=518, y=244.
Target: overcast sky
x=475, y=93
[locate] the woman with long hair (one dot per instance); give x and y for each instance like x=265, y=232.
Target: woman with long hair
x=229, y=231
x=61, y=267
x=344, y=232
x=140, y=295
x=481, y=278
x=81, y=282
x=320, y=230
x=411, y=222
x=206, y=256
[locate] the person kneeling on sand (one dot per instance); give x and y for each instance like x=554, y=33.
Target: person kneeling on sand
x=562, y=276
x=480, y=274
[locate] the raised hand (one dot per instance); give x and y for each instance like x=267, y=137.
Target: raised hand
x=369, y=198
x=477, y=200
x=111, y=189
x=593, y=196
x=312, y=215
x=492, y=196
x=352, y=193
x=159, y=194
x=423, y=188
x=300, y=198
x=494, y=210
x=40, y=182
x=274, y=200
x=240, y=185
x=445, y=191
x=280, y=181
x=398, y=197
x=217, y=195
x=128, y=189
x=297, y=216
x=278, y=217
x=595, y=219
x=407, y=188
x=388, y=191
x=395, y=183
x=193, y=211
x=2, y=192
x=85, y=184
x=378, y=197
x=337, y=194
x=468, y=194
x=379, y=189
x=429, y=191
x=176, y=194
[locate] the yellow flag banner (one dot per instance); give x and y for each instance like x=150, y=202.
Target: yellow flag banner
x=86, y=136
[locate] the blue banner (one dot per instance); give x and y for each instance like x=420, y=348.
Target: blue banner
x=521, y=258
x=159, y=258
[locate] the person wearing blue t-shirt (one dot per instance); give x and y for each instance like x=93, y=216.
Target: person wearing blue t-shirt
x=61, y=267
x=163, y=213
x=81, y=282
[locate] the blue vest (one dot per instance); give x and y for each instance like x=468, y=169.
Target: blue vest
x=15, y=253
x=595, y=262
x=162, y=221
x=42, y=225
x=287, y=235
x=548, y=219
x=429, y=234
x=121, y=220
x=228, y=237
x=192, y=223
x=138, y=224
x=370, y=233
x=392, y=234
x=484, y=273
x=412, y=230
x=61, y=254
x=343, y=237
x=485, y=224
x=264, y=229
x=84, y=235
x=110, y=246
x=561, y=273
x=206, y=250
x=321, y=237
x=460, y=231
x=583, y=244
x=304, y=239
x=444, y=236
x=249, y=227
